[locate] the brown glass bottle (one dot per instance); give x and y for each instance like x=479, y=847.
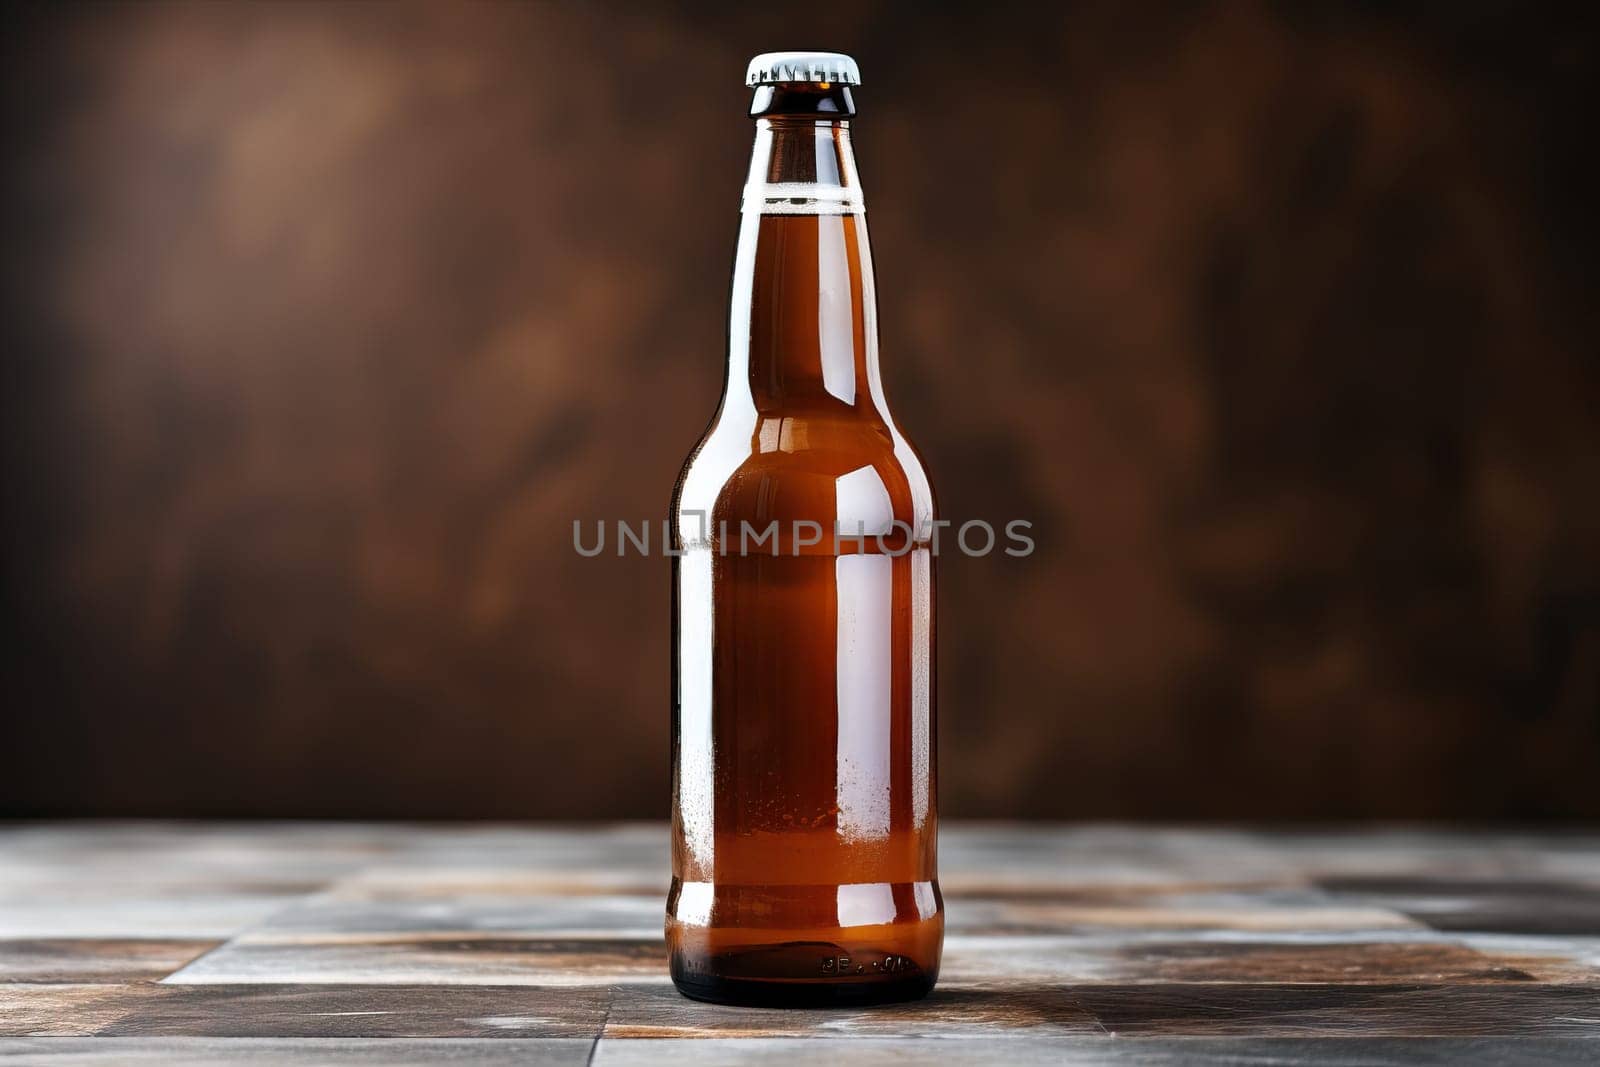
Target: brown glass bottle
x=804, y=815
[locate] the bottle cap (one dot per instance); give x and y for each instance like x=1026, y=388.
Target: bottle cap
x=770, y=68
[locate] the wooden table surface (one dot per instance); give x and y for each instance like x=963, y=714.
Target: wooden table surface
x=325, y=943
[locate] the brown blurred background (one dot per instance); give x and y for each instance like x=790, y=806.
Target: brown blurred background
x=323, y=323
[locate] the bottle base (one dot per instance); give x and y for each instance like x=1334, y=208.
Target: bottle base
x=756, y=993
x=785, y=975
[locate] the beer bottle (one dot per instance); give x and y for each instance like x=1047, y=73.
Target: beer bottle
x=804, y=821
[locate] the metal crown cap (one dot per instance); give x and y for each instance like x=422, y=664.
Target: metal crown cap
x=770, y=68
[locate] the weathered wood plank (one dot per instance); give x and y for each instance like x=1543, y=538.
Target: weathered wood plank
x=364, y=1011
x=1278, y=1010
x=67, y=1010
x=1496, y=905
x=281, y=1051
x=443, y=958
x=88, y=959
x=1097, y=1051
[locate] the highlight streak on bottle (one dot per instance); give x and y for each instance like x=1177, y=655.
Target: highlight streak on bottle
x=863, y=663
x=835, y=311
x=696, y=780
x=921, y=684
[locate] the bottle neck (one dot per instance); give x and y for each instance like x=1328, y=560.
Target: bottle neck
x=803, y=329
x=802, y=165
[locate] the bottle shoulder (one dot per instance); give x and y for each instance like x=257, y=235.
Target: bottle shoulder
x=824, y=468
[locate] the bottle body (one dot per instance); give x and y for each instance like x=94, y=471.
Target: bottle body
x=804, y=754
